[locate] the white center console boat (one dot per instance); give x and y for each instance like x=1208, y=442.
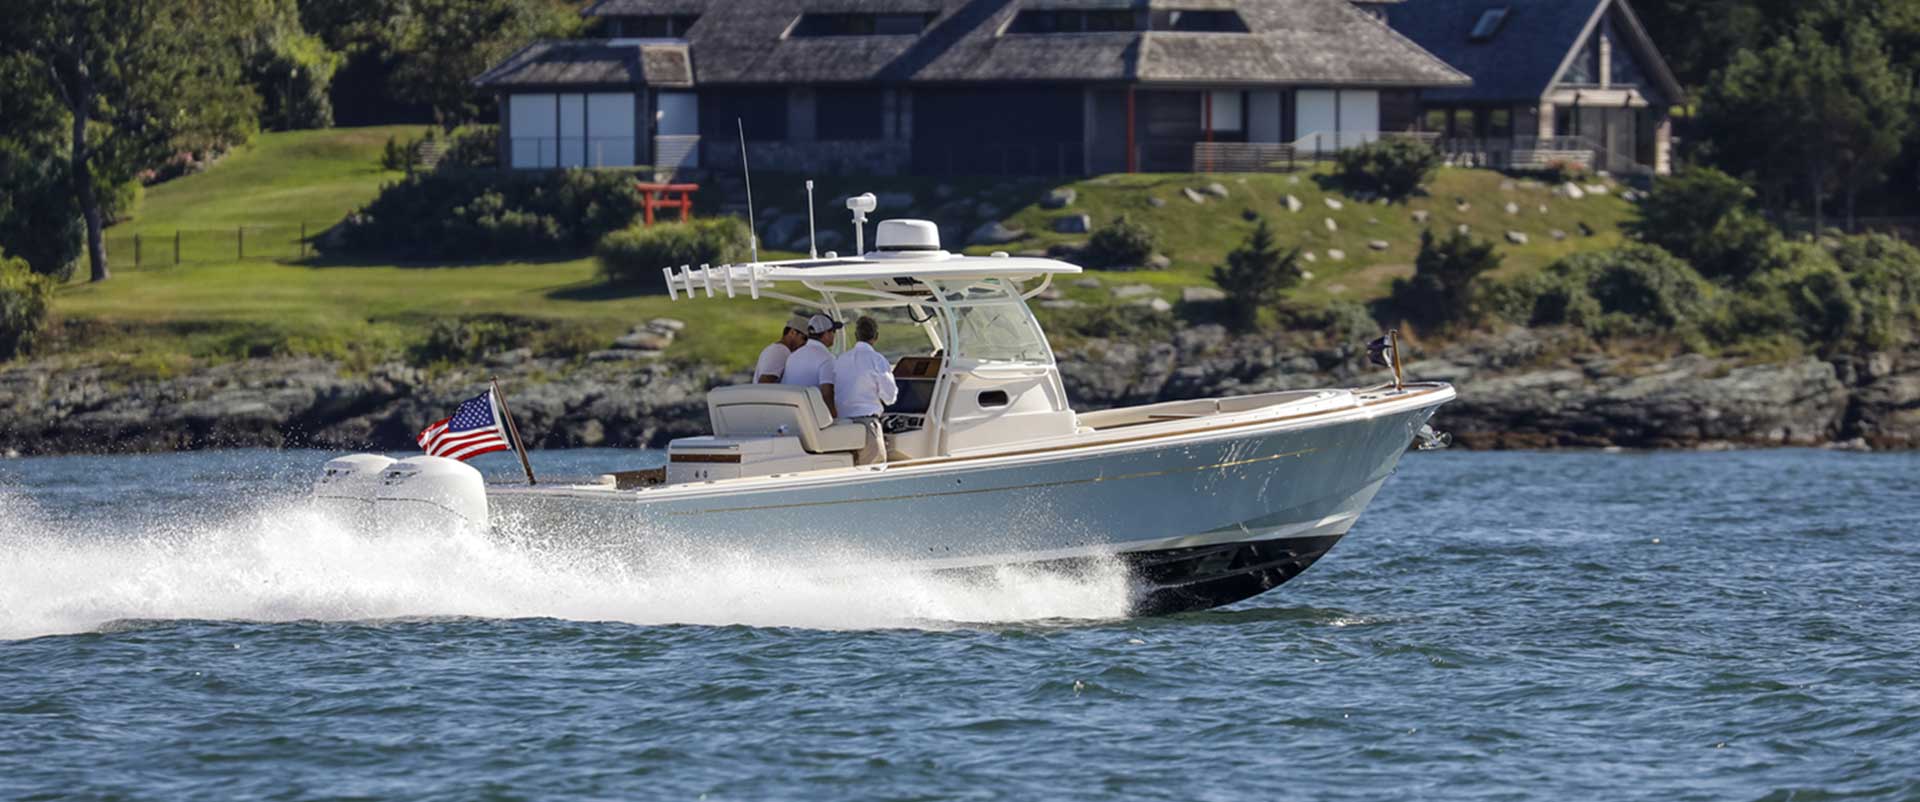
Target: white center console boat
x=1205, y=502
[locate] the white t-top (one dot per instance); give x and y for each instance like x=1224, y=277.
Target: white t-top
x=773, y=362
x=811, y=366
x=865, y=383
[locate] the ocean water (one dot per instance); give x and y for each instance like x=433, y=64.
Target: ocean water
x=1663, y=626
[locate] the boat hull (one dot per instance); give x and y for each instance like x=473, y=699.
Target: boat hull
x=1199, y=520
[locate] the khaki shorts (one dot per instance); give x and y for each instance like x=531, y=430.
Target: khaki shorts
x=874, y=451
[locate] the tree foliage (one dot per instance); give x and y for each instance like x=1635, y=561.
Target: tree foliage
x=1394, y=168
x=1255, y=275
x=442, y=44
x=1442, y=292
x=1705, y=217
x=135, y=79
x=1819, y=111
x=1122, y=242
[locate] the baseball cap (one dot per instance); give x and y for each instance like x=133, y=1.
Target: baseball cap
x=797, y=323
x=821, y=324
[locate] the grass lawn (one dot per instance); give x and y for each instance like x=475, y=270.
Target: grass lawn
x=218, y=305
x=1198, y=236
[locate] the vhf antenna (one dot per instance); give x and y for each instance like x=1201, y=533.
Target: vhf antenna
x=813, y=251
x=753, y=234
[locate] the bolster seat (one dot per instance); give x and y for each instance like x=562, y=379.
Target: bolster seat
x=781, y=410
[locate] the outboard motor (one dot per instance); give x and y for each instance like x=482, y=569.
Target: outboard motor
x=346, y=488
x=430, y=493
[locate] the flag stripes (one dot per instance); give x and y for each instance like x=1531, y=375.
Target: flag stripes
x=474, y=429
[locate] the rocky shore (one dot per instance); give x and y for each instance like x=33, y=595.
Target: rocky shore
x=1519, y=389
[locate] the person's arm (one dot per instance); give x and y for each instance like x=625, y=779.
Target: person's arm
x=769, y=378
x=888, y=389
x=826, y=394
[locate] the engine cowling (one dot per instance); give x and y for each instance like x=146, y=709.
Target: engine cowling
x=347, y=487
x=430, y=493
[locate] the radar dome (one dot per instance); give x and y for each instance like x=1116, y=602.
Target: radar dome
x=910, y=236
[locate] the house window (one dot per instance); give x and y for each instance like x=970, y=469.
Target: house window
x=1037, y=20
x=649, y=26
x=847, y=114
x=1625, y=70
x=1585, y=69
x=814, y=25
x=1489, y=23
x=1500, y=123
x=1203, y=21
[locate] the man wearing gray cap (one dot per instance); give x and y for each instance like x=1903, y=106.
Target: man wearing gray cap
x=773, y=358
x=812, y=364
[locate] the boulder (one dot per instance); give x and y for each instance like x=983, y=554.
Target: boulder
x=1160, y=305
x=1059, y=198
x=994, y=232
x=1073, y=224
x=1463, y=228
x=1334, y=204
x=1569, y=191
x=1132, y=291
x=1463, y=207
x=1202, y=295
x=1378, y=244
x=1216, y=189
x=1543, y=208
x=1059, y=303
x=644, y=340
x=1193, y=195
x=1421, y=216
x=1337, y=255
x=1249, y=215
x=1508, y=185
x=1332, y=227
x=1516, y=238
x=1308, y=255
x=1586, y=230
x=1087, y=283
x=1557, y=234
x=1158, y=261
x=1512, y=208
x=1596, y=189
x=667, y=324
x=1156, y=201
x=1294, y=204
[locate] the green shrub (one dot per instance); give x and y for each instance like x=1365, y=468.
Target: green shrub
x=1108, y=322
x=24, y=298
x=1885, y=276
x=1560, y=171
x=1120, y=243
x=458, y=215
x=1705, y=217
x=1254, y=276
x=39, y=221
x=397, y=155
x=636, y=255
x=1632, y=290
x=473, y=148
x=1443, y=288
x=1342, y=322
x=1391, y=167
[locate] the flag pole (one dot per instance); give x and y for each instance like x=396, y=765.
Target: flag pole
x=513, y=431
x=1393, y=344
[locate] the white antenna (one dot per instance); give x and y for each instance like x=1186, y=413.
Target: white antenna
x=813, y=251
x=753, y=234
x=860, y=205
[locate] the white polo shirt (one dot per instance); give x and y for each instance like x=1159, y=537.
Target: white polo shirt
x=811, y=366
x=773, y=362
x=865, y=383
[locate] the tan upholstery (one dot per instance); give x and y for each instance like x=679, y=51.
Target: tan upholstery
x=781, y=410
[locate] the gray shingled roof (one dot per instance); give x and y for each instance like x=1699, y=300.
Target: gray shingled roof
x=1304, y=42
x=1518, y=63
x=591, y=63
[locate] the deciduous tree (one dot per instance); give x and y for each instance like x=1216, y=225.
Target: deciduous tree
x=135, y=80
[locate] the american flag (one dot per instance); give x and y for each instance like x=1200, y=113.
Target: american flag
x=473, y=430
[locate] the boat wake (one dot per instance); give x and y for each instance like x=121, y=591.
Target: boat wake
x=286, y=562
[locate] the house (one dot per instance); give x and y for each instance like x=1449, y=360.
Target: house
x=1552, y=79
x=937, y=87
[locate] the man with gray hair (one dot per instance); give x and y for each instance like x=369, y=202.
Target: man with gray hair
x=864, y=386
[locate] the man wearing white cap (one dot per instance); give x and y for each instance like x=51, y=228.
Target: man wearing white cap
x=773, y=358
x=812, y=364
x=866, y=388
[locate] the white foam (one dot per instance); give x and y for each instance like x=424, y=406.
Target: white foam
x=284, y=561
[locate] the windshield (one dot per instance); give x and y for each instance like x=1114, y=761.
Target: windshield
x=999, y=332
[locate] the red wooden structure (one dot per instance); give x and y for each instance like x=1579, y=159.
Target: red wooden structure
x=667, y=196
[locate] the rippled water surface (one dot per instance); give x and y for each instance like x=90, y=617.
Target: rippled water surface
x=1498, y=626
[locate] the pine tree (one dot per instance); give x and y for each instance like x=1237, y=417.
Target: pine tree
x=1255, y=275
